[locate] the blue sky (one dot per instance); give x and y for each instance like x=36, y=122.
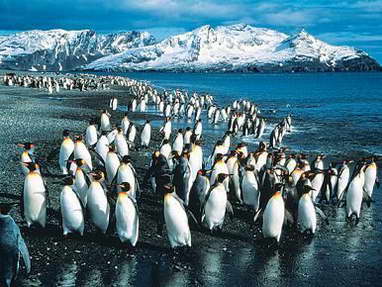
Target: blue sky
x=357, y=23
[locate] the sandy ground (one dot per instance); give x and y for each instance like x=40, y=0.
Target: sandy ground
x=339, y=254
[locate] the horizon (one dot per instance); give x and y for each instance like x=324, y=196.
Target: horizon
x=347, y=23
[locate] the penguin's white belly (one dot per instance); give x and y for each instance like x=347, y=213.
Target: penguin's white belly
x=127, y=221
x=80, y=186
x=178, y=231
x=66, y=150
x=250, y=190
x=307, y=219
x=145, y=137
x=98, y=206
x=34, y=200
x=80, y=151
x=273, y=219
x=215, y=209
x=91, y=135
x=121, y=144
x=317, y=182
x=112, y=164
x=370, y=177
x=71, y=212
x=354, y=197
x=105, y=123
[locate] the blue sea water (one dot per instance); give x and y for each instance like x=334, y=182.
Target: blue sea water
x=334, y=113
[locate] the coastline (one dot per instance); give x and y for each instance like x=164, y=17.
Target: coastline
x=31, y=115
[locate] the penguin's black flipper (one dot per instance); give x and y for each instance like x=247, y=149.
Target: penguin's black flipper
x=322, y=214
x=23, y=249
x=99, y=157
x=229, y=209
x=192, y=216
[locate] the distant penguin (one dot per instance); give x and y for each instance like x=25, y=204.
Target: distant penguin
x=98, y=205
x=66, y=151
x=307, y=219
x=71, y=209
x=175, y=216
x=12, y=245
x=273, y=216
x=126, y=213
x=146, y=134
x=216, y=203
x=34, y=199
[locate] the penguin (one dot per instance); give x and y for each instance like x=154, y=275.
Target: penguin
x=98, y=205
x=131, y=133
x=370, y=177
x=354, y=193
x=12, y=245
x=105, y=121
x=66, y=151
x=91, y=136
x=273, y=216
x=125, y=123
x=112, y=164
x=71, y=209
x=81, y=180
x=187, y=136
x=307, y=219
x=181, y=179
x=216, y=204
x=34, y=199
x=127, y=173
x=234, y=169
x=126, y=213
x=26, y=156
x=177, y=145
x=219, y=167
x=121, y=146
x=198, y=193
x=250, y=188
x=219, y=148
x=176, y=220
x=102, y=148
x=146, y=134
x=80, y=151
x=343, y=180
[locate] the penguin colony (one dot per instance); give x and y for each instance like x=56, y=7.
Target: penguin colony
x=100, y=182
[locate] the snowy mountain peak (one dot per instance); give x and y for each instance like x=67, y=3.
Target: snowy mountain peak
x=64, y=50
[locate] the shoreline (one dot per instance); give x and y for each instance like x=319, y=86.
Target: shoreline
x=93, y=254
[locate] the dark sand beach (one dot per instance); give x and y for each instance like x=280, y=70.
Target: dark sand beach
x=236, y=257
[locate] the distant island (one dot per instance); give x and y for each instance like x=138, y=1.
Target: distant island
x=234, y=48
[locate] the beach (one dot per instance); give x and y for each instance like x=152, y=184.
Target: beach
x=237, y=256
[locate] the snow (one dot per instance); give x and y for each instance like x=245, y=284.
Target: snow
x=228, y=47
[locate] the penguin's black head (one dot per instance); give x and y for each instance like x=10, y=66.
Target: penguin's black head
x=27, y=145
x=180, y=131
x=126, y=114
x=78, y=138
x=222, y=177
x=125, y=186
x=65, y=133
x=126, y=159
x=92, y=122
x=307, y=189
x=219, y=156
x=198, y=143
x=32, y=166
x=188, y=129
x=165, y=141
x=169, y=188
x=278, y=187
x=68, y=180
x=147, y=121
x=219, y=142
x=97, y=175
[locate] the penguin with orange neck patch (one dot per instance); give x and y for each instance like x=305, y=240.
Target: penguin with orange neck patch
x=126, y=212
x=26, y=156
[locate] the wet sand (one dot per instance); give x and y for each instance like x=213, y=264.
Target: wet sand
x=339, y=254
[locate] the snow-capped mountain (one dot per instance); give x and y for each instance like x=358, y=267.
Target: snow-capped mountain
x=57, y=50
x=238, y=48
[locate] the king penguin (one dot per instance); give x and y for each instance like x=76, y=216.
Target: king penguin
x=273, y=217
x=71, y=209
x=126, y=213
x=175, y=216
x=307, y=219
x=34, y=197
x=66, y=150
